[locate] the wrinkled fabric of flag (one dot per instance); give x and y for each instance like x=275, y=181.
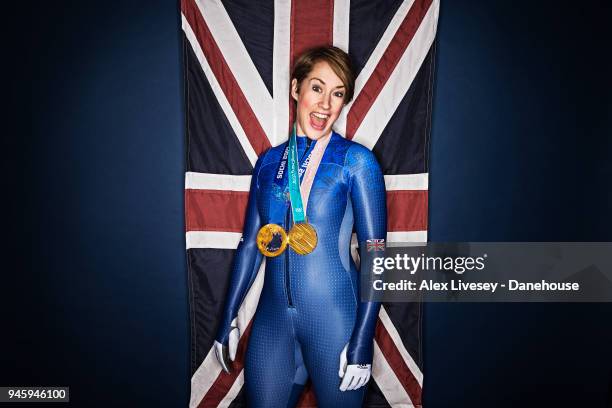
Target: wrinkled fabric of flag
x=237, y=58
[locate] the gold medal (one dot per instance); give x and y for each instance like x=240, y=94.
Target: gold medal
x=271, y=240
x=302, y=238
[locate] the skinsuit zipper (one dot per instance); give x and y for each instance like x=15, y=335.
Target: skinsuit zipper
x=287, y=226
x=287, y=275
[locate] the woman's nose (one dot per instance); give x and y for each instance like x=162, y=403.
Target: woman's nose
x=325, y=102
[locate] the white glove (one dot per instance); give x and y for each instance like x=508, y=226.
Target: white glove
x=221, y=351
x=354, y=375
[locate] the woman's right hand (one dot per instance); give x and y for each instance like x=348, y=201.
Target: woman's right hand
x=227, y=353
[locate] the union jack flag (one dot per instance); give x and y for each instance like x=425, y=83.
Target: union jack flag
x=237, y=57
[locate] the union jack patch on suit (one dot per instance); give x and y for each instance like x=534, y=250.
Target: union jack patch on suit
x=375, y=245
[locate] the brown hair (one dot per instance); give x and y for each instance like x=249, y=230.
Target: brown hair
x=338, y=61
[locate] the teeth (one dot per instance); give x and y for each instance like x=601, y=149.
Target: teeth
x=320, y=115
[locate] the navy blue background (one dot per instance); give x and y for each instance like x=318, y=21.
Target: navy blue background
x=95, y=286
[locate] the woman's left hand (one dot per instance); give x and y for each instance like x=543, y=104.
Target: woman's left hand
x=226, y=353
x=353, y=376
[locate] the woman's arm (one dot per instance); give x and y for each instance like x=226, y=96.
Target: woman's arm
x=246, y=263
x=367, y=191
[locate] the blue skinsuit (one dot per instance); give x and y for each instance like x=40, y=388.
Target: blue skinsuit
x=310, y=304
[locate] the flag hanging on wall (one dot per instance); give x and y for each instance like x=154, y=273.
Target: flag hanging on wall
x=238, y=56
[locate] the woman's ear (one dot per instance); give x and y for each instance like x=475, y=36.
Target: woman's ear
x=294, y=89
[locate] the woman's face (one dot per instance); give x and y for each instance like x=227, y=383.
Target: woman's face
x=319, y=101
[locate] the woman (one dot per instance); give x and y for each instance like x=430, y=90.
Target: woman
x=310, y=321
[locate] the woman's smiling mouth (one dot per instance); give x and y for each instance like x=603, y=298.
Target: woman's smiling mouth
x=318, y=120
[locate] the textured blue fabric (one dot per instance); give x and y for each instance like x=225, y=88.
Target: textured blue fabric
x=310, y=306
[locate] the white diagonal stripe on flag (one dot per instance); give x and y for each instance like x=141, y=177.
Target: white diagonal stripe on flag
x=280, y=67
x=399, y=344
x=210, y=369
x=238, y=60
x=399, y=82
x=203, y=378
x=216, y=88
x=233, y=391
x=373, y=60
x=382, y=45
x=387, y=381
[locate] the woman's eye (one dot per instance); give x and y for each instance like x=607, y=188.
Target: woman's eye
x=339, y=94
x=316, y=88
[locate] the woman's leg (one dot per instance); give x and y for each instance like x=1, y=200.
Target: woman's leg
x=274, y=369
x=322, y=344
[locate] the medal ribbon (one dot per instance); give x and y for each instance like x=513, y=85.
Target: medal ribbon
x=307, y=170
x=297, y=207
x=302, y=238
x=278, y=205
